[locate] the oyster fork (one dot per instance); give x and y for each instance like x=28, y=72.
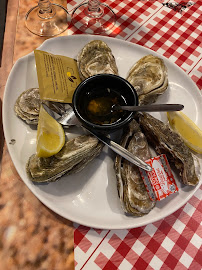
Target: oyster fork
x=64, y=114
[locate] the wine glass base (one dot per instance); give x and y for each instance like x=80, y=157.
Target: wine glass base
x=55, y=23
x=102, y=22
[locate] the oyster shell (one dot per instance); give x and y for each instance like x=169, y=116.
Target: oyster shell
x=73, y=157
x=27, y=106
x=131, y=189
x=166, y=141
x=96, y=58
x=149, y=78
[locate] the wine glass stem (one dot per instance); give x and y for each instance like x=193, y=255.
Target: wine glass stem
x=46, y=10
x=94, y=10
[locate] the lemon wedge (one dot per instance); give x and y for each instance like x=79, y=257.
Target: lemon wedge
x=189, y=131
x=50, y=135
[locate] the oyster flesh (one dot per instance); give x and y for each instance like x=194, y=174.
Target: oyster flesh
x=131, y=189
x=149, y=77
x=27, y=106
x=72, y=158
x=96, y=58
x=166, y=141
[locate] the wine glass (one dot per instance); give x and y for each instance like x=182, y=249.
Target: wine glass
x=47, y=19
x=93, y=17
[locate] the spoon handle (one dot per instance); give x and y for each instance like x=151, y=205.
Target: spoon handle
x=154, y=108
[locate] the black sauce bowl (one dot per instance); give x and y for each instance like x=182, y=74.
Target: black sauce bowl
x=94, y=87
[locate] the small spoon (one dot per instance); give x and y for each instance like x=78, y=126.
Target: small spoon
x=149, y=108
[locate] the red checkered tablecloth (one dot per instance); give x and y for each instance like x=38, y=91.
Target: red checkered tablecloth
x=174, y=242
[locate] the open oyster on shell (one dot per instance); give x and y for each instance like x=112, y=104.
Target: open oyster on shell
x=166, y=141
x=96, y=58
x=72, y=158
x=149, y=78
x=27, y=106
x=132, y=192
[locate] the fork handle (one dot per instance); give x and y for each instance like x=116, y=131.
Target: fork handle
x=129, y=156
x=117, y=148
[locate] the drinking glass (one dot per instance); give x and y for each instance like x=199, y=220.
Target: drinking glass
x=93, y=17
x=47, y=19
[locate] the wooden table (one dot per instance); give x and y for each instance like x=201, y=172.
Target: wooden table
x=31, y=236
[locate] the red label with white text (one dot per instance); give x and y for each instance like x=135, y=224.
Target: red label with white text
x=160, y=179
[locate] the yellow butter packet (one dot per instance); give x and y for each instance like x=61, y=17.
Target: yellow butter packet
x=58, y=76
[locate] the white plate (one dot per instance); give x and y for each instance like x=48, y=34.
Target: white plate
x=90, y=197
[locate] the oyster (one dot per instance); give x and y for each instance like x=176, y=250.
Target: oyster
x=131, y=189
x=73, y=157
x=27, y=106
x=96, y=58
x=149, y=78
x=166, y=141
